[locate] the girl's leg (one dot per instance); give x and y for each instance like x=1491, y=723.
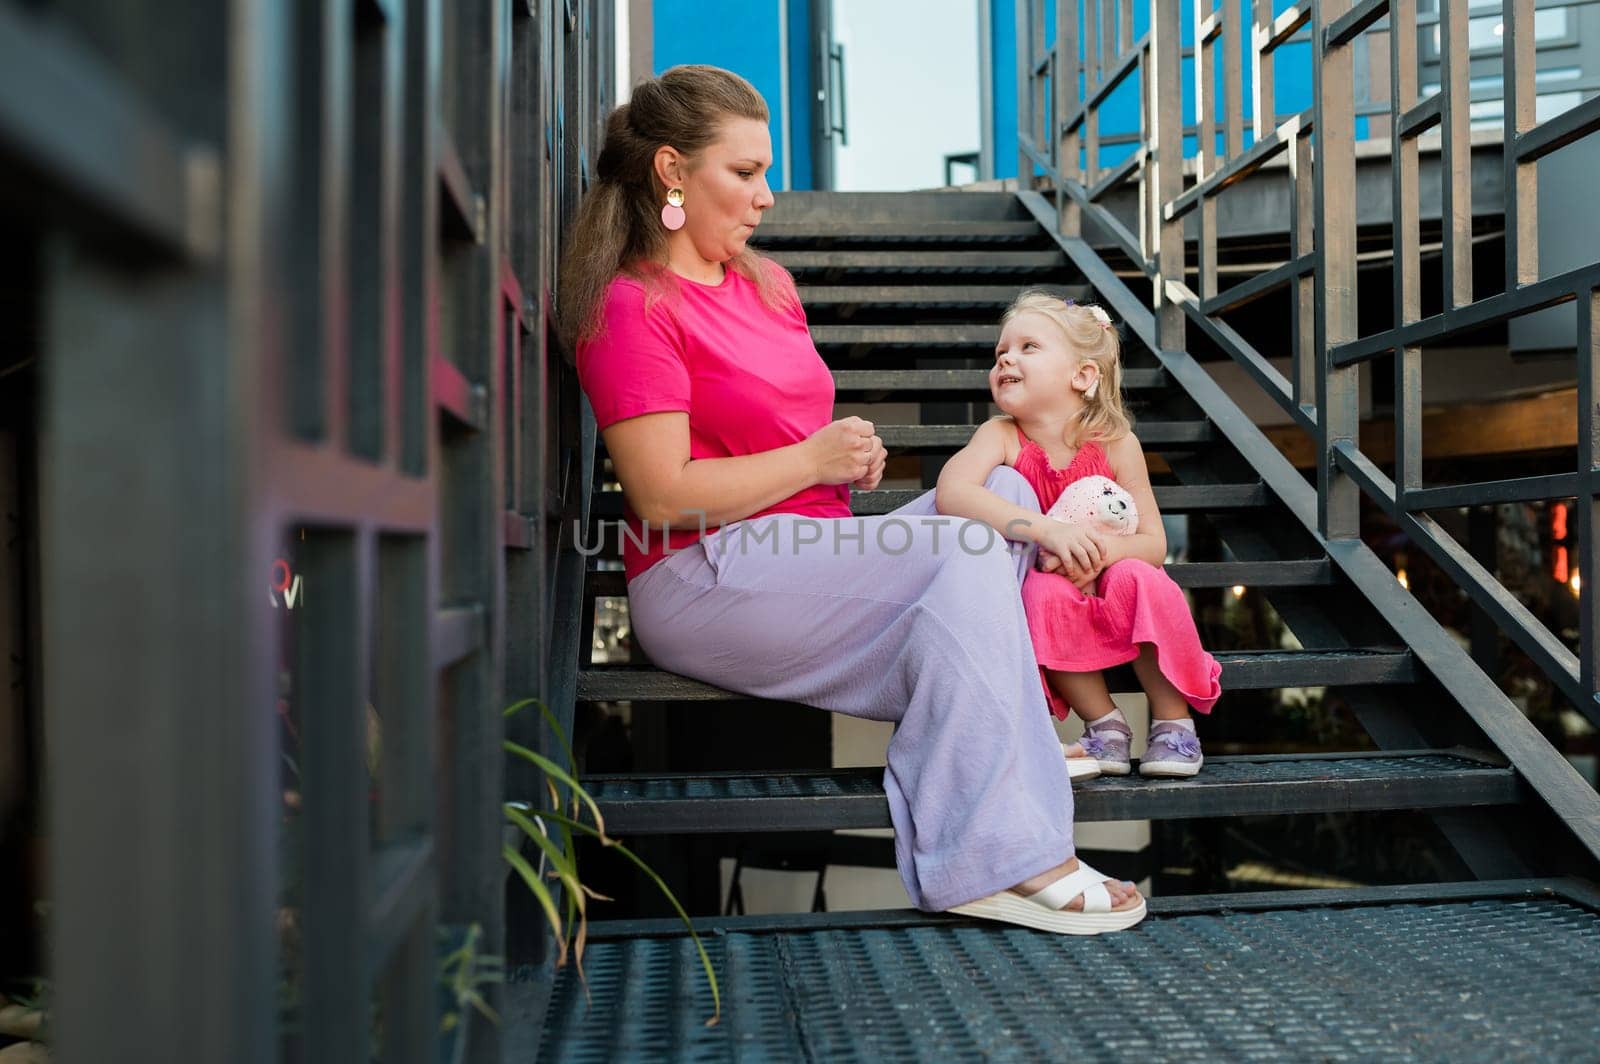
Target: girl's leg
x=1107, y=739
x=1166, y=701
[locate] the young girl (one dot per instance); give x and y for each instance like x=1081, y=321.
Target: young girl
x=1094, y=601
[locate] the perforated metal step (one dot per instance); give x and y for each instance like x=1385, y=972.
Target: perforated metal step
x=1264, y=784
x=1490, y=972
x=1242, y=670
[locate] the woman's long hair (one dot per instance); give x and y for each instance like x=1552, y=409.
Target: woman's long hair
x=619, y=226
x=1091, y=336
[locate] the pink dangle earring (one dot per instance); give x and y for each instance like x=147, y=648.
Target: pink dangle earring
x=672, y=215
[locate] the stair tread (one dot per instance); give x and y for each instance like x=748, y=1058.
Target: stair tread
x=898, y=230
x=961, y=380
x=897, y=261
x=1307, y=572
x=1149, y=431
x=947, y=335
x=853, y=797
x=996, y=296
x=1415, y=971
x=1242, y=670
x=1171, y=498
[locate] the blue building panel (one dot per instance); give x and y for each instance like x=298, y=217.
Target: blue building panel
x=734, y=34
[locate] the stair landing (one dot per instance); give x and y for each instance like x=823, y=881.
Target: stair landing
x=1479, y=971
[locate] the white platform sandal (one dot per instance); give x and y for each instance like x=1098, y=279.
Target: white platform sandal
x=1080, y=768
x=1046, y=910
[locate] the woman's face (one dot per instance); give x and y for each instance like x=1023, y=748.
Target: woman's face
x=1033, y=366
x=725, y=190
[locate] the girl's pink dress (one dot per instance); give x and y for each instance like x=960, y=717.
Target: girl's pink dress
x=1137, y=603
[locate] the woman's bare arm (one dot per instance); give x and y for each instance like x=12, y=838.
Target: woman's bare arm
x=663, y=485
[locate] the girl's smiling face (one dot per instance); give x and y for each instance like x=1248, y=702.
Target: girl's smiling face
x=1033, y=367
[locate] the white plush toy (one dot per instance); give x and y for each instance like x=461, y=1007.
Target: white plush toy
x=1098, y=503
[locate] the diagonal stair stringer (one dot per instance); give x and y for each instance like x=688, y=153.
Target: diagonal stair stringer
x=1550, y=775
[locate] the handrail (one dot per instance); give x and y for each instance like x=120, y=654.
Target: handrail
x=1320, y=390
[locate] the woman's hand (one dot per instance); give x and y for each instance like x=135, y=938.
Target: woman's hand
x=874, y=467
x=848, y=452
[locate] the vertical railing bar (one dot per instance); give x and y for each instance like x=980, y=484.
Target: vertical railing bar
x=1303, y=309
x=1091, y=146
x=1166, y=84
x=1127, y=27
x=1041, y=137
x=1232, y=91
x=1149, y=202
x=335, y=152
x=1107, y=31
x=1263, y=115
x=331, y=677
x=1521, y=178
x=1455, y=155
x=392, y=430
x=1069, y=219
x=1205, y=160
x=1338, y=502
x=1407, y=262
x=1024, y=89
x=1588, y=357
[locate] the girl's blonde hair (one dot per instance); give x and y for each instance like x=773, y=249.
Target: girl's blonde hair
x=618, y=229
x=1091, y=335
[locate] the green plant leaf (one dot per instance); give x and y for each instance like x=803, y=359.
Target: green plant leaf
x=705, y=959
x=560, y=774
x=555, y=728
x=531, y=878
x=565, y=864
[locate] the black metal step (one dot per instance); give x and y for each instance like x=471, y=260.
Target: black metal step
x=980, y=338
x=1274, y=784
x=1171, y=498
x=951, y=383
x=906, y=231
x=1242, y=670
x=900, y=208
x=1307, y=573
x=1485, y=971
x=1158, y=434
x=892, y=262
x=993, y=298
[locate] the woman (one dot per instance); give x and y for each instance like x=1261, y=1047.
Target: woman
x=717, y=413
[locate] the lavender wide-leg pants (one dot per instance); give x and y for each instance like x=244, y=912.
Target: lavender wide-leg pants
x=908, y=617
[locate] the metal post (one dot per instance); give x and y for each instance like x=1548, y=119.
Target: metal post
x=1167, y=153
x=1338, y=398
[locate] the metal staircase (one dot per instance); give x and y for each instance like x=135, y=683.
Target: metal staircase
x=903, y=292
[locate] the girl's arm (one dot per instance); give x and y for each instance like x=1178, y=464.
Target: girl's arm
x=960, y=492
x=663, y=486
x=1128, y=468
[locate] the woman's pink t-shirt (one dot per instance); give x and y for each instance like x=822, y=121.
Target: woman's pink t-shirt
x=747, y=375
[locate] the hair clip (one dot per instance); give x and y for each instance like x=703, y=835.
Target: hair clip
x=1100, y=316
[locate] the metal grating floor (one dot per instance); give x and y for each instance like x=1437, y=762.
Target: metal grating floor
x=1493, y=979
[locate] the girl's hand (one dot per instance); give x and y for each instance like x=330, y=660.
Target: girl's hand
x=846, y=452
x=1079, y=549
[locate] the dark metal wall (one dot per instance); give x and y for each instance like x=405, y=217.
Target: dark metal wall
x=295, y=293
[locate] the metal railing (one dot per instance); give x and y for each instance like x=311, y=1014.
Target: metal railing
x=1064, y=85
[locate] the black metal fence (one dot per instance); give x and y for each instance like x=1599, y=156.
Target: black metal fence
x=305, y=446
x=1065, y=85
